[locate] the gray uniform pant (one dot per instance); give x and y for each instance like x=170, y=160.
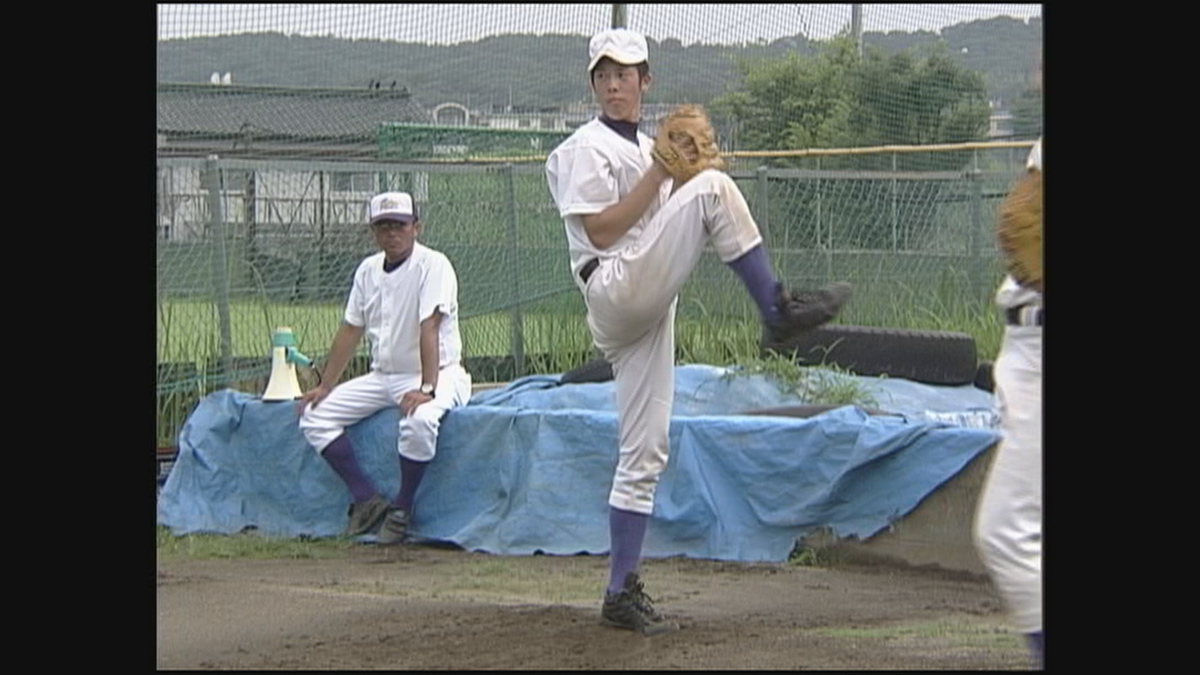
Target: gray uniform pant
x=631, y=300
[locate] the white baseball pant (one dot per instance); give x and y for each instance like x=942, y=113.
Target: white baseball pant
x=359, y=398
x=1008, y=525
x=631, y=313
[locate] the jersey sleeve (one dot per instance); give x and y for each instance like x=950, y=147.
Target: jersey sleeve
x=439, y=289
x=354, y=304
x=581, y=180
x=1035, y=156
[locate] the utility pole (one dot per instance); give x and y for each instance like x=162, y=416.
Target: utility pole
x=856, y=27
x=618, y=16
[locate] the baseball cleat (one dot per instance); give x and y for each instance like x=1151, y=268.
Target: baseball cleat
x=395, y=527
x=803, y=311
x=632, y=609
x=365, y=517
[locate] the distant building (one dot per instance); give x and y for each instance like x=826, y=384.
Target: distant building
x=195, y=120
x=537, y=118
x=1000, y=125
x=254, y=122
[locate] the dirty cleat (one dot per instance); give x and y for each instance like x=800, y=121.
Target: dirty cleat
x=803, y=311
x=632, y=609
x=395, y=527
x=365, y=517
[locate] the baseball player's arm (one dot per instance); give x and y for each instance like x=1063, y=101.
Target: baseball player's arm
x=607, y=227
x=344, y=343
x=430, y=358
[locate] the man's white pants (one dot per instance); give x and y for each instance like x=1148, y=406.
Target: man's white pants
x=361, y=397
x=631, y=313
x=1008, y=525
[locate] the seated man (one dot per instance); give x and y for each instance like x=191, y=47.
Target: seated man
x=405, y=298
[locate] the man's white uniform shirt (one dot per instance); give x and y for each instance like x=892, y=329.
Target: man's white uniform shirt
x=392, y=305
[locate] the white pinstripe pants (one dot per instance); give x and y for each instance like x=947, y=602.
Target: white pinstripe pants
x=363, y=396
x=1008, y=525
x=631, y=302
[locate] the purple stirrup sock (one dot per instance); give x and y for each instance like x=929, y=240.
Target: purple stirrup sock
x=627, y=530
x=411, y=473
x=340, y=455
x=1037, y=647
x=755, y=272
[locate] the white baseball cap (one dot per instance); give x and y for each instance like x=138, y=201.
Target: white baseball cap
x=393, y=206
x=619, y=44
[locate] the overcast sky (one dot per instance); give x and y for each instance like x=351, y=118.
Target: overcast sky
x=451, y=23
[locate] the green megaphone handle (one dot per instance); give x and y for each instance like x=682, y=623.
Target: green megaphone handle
x=296, y=357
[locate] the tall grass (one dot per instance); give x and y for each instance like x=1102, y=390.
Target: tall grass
x=555, y=342
x=555, y=337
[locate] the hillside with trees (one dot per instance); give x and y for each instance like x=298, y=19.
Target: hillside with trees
x=536, y=70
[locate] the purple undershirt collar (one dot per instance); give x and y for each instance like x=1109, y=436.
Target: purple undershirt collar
x=626, y=130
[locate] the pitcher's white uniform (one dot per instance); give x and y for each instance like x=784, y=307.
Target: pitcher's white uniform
x=390, y=307
x=631, y=295
x=1008, y=527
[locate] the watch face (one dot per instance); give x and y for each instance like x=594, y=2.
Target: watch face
x=427, y=389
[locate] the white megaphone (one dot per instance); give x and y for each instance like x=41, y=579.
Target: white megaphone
x=283, y=385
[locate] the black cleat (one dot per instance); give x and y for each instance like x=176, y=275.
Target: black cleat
x=366, y=516
x=395, y=528
x=804, y=311
x=632, y=609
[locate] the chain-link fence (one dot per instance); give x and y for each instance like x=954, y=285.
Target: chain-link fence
x=270, y=148
x=245, y=247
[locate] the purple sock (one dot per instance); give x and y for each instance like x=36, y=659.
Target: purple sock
x=1037, y=646
x=754, y=270
x=627, y=530
x=340, y=455
x=411, y=474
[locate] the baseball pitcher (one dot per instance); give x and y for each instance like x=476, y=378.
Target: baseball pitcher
x=638, y=214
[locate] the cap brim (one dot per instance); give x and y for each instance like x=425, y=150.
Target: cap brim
x=614, y=57
x=394, y=218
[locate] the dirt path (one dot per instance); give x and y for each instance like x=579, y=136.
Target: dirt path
x=442, y=609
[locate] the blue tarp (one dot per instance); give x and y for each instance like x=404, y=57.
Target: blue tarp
x=527, y=467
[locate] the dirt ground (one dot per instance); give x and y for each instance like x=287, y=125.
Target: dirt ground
x=433, y=608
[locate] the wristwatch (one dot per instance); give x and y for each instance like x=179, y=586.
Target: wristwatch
x=427, y=389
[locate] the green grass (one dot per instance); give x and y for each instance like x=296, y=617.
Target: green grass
x=188, y=331
x=715, y=325
x=817, y=385
x=246, y=545
x=810, y=557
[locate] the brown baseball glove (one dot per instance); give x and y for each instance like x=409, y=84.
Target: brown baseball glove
x=1019, y=230
x=686, y=144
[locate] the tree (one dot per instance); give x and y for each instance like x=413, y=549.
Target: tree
x=1027, y=115
x=835, y=99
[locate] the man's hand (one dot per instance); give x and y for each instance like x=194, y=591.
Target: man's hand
x=411, y=400
x=314, y=396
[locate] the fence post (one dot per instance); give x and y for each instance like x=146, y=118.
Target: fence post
x=976, y=240
x=829, y=230
x=212, y=174
x=764, y=218
x=618, y=16
x=895, y=220
x=514, y=265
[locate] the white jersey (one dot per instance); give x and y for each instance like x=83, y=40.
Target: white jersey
x=392, y=305
x=590, y=171
x=1012, y=294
